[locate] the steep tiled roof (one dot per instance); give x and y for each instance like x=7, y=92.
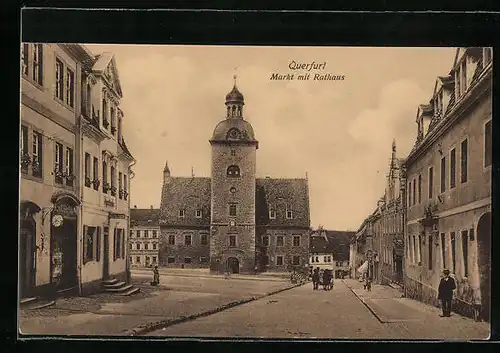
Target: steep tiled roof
x=123, y=145
x=144, y=216
x=340, y=241
x=189, y=194
x=280, y=194
x=319, y=245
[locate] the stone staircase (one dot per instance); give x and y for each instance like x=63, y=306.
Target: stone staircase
x=118, y=287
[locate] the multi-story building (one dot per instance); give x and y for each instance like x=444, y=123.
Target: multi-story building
x=449, y=186
x=233, y=220
x=330, y=249
x=65, y=221
x=362, y=257
x=144, y=237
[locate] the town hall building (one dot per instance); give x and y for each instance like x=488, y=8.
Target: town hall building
x=234, y=221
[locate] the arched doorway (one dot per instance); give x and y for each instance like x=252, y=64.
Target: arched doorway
x=233, y=265
x=64, y=234
x=27, y=248
x=484, y=262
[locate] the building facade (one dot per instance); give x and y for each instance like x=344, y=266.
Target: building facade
x=233, y=220
x=449, y=187
x=331, y=249
x=144, y=237
x=62, y=245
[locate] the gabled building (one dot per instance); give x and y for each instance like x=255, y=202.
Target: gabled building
x=144, y=236
x=233, y=220
x=75, y=171
x=448, y=201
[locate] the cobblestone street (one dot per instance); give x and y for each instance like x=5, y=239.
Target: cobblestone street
x=346, y=312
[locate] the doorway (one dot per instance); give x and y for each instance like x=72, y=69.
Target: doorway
x=105, y=253
x=484, y=263
x=27, y=264
x=233, y=265
x=64, y=253
x=398, y=262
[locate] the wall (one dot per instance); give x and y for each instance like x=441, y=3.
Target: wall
x=195, y=251
x=287, y=250
x=142, y=252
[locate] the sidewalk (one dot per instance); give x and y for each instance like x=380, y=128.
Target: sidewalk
x=421, y=320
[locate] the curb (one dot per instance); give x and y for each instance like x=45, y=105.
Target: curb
x=363, y=302
x=149, y=327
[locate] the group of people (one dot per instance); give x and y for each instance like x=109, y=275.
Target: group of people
x=323, y=277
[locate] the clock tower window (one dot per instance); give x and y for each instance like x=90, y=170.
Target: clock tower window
x=233, y=171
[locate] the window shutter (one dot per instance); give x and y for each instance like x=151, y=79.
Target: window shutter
x=40, y=67
x=123, y=243
x=114, y=244
x=85, y=230
x=98, y=245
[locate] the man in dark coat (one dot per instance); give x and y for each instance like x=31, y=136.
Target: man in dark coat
x=445, y=292
x=315, y=278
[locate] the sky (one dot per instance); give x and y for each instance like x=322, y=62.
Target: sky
x=338, y=132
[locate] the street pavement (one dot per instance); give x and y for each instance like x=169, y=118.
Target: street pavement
x=345, y=312
x=113, y=315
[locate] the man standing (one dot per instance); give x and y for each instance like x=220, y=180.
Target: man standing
x=445, y=292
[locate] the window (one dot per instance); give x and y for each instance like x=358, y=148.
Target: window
x=38, y=63
x=465, y=252
x=453, y=251
x=59, y=79
x=24, y=58
x=204, y=239
x=87, y=169
x=431, y=181
x=146, y=233
x=463, y=161
x=296, y=240
x=155, y=235
x=272, y=214
x=232, y=209
x=233, y=171
x=58, y=165
x=488, y=146
x=312, y=258
x=119, y=243
x=203, y=259
x=265, y=240
x=187, y=260
x=146, y=246
x=443, y=174
x=453, y=163
x=68, y=166
x=154, y=259
x=170, y=260
x=95, y=181
x=419, y=188
x=409, y=194
x=181, y=213
x=279, y=260
x=296, y=260
x=198, y=213
x=414, y=189
x=430, y=252
x=125, y=192
x=120, y=185
x=232, y=240
x=171, y=239
x=24, y=142
x=91, y=244
x=138, y=234
x=471, y=234
x=463, y=78
x=37, y=154
x=131, y=246
x=325, y=259
x=289, y=214
x=70, y=88
x=105, y=186
x=138, y=246
x=187, y=239
x=113, y=181
x=415, y=249
x=138, y=260
x=113, y=122
x=233, y=152
x=105, y=121
x=147, y=260
x=279, y=240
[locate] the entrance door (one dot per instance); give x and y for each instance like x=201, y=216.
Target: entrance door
x=27, y=258
x=399, y=269
x=233, y=264
x=105, y=253
x=64, y=254
x=484, y=262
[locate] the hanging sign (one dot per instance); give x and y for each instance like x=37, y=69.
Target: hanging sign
x=57, y=220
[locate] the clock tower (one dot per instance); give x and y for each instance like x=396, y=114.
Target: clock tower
x=232, y=233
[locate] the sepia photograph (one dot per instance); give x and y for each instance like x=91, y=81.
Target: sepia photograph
x=276, y=192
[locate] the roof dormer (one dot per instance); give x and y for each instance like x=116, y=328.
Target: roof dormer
x=424, y=116
x=466, y=63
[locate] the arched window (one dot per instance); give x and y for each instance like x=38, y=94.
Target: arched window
x=234, y=110
x=233, y=171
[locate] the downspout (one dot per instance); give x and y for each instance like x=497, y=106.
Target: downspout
x=79, y=179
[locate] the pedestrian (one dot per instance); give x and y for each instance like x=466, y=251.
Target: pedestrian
x=368, y=284
x=156, y=277
x=445, y=292
x=326, y=280
x=315, y=278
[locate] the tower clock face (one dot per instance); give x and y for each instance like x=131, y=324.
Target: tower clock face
x=234, y=134
x=232, y=190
